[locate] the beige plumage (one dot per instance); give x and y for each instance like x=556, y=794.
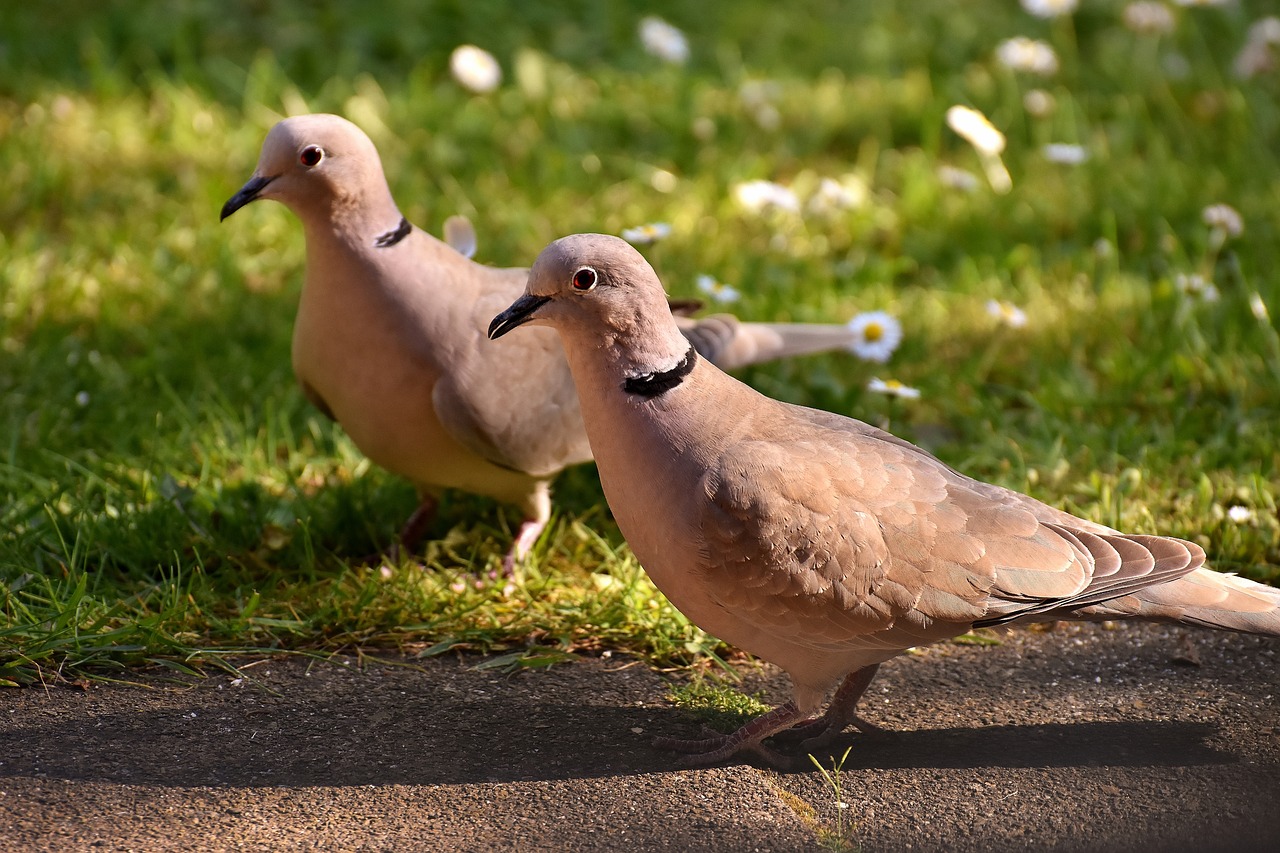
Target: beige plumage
x=813, y=540
x=389, y=338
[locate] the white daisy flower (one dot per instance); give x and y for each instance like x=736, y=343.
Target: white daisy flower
x=1265, y=30
x=833, y=195
x=664, y=41
x=644, y=235
x=1259, y=308
x=1196, y=286
x=663, y=181
x=876, y=334
x=758, y=93
x=1256, y=57
x=475, y=70
x=1240, y=514
x=976, y=129
x=718, y=291
x=1050, y=8
x=893, y=388
x=957, y=179
x=757, y=196
x=1148, y=18
x=1224, y=218
x=1038, y=103
x=758, y=98
x=767, y=117
x=1028, y=55
x=1065, y=153
x=1007, y=313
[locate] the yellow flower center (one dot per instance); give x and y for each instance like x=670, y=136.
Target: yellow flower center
x=873, y=332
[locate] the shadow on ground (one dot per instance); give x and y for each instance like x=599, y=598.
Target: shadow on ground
x=1076, y=739
x=346, y=731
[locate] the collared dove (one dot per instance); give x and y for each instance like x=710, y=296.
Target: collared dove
x=812, y=540
x=389, y=338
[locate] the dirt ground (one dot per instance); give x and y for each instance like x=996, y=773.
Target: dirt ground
x=1082, y=738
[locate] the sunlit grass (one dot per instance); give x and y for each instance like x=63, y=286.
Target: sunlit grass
x=167, y=494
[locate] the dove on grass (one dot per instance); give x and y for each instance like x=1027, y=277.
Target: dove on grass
x=812, y=540
x=389, y=338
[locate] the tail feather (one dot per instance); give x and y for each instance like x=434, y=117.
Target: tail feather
x=729, y=343
x=1119, y=566
x=1204, y=598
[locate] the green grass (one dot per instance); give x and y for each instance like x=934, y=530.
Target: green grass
x=166, y=493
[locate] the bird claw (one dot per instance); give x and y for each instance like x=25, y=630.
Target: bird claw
x=802, y=730
x=508, y=566
x=693, y=746
x=810, y=731
x=716, y=747
x=819, y=741
x=870, y=728
x=696, y=758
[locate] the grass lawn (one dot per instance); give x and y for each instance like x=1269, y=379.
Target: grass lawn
x=167, y=495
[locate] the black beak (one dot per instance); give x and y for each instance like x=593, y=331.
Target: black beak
x=520, y=312
x=248, y=192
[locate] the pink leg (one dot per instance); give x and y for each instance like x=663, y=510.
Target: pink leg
x=841, y=713
x=708, y=751
x=538, y=513
x=411, y=532
x=414, y=529
x=419, y=522
x=529, y=532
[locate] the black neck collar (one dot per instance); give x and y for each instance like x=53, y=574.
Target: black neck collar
x=393, y=237
x=653, y=384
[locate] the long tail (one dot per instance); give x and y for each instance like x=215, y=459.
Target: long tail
x=721, y=339
x=1204, y=598
x=729, y=343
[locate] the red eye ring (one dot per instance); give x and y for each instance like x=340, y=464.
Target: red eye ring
x=585, y=279
x=311, y=156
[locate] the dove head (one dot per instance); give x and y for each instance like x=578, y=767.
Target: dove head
x=598, y=287
x=318, y=165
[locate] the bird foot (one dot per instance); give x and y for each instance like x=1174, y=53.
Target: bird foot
x=411, y=533
x=526, y=538
x=782, y=723
x=703, y=752
x=508, y=565
x=416, y=526
x=870, y=728
x=711, y=739
x=766, y=754
x=803, y=730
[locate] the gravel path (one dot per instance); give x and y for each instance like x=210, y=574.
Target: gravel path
x=1082, y=738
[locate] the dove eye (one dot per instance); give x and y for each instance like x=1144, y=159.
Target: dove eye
x=585, y=279
x=311, y=156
